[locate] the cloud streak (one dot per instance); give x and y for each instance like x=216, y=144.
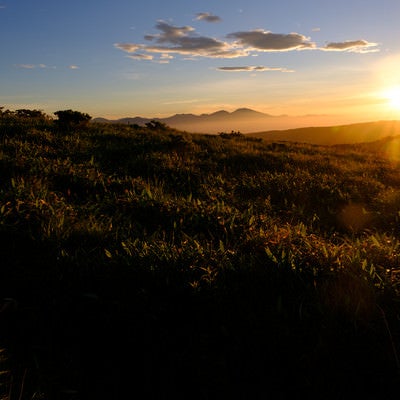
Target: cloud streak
x=138, y=56
x=208, y=17
x=33, y=66
x=253, y=68
x=41, y=66
x=128, y=47
x=352, y=46
x=26, y=66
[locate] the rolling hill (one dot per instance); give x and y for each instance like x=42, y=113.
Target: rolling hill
x=136, y=259
x=332, y=135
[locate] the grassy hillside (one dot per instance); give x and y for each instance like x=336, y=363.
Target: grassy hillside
x=332, y=135
x=154, y=263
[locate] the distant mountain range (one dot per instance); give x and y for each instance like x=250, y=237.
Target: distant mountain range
x=316, y=129
x=244, y=120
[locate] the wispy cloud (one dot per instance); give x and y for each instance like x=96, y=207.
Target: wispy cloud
x=25, y=66
x=34, y=66
x=208, y=17
x=267, y=41
x=352, y=46
x=128, y=47
x=41, y=66
x=253, y=68
x=138, y=56
x=165, y=58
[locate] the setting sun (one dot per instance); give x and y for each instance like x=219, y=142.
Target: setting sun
x=393, y=97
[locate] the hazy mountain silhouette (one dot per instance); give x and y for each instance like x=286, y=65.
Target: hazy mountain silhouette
x=317, y=129
x=244, y=120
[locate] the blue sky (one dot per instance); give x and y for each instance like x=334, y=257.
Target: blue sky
x=156, y=58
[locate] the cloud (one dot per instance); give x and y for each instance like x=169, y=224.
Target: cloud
x=267, y=41
x=163, y=59
x=352, y=46
x=208, y=17
x=34, y=66
x=166, y=57
x=138, y=56
x=73, y=67
x=26, y=66
x=199, y=47
x=252, y=68
x=127, y=47
x=169, y=33
x=182, y=40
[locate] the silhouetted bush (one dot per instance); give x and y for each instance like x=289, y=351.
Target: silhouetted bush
x=157, y=126
x=69, y=119
x=19, y=121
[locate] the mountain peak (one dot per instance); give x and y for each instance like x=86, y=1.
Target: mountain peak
x=248, y=113
x=220, y=112
x=243, y=110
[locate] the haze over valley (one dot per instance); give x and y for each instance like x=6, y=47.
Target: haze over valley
x=244, y=120
x=315, y=129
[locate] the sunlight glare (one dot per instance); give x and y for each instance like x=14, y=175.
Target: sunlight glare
x=392, y=95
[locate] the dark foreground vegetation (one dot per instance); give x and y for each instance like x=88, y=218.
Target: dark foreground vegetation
x=143, y=262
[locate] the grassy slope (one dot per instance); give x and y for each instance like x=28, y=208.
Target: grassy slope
x=332, y=135
x=212, y=265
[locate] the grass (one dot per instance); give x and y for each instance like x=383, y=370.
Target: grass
x=158, y=263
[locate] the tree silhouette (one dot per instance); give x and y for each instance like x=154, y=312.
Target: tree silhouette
x=69, y=119
x=34, y=114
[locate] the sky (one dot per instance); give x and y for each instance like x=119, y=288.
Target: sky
x=156, y=58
